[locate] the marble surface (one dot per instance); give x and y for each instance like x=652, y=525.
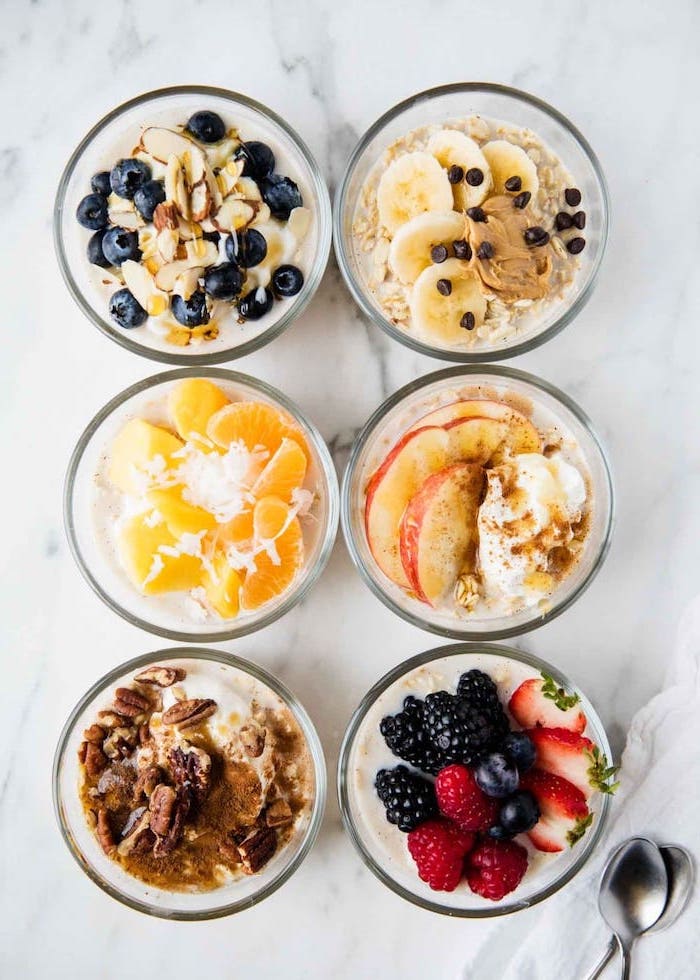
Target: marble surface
x=623, y=73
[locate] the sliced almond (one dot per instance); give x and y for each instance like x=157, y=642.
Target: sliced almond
x=157, y=305
x=153, y=264
x=116, y=203
x=225, y=182
x=202, y=252
x=298, y=222
x=165, y=216
x=262, y=216
x=163, y=143
x=182, y=196
x=188, y=230
x=126, y=219
x=219, y=153
x=248, y=189
x=142, y=285
x=187, y=282
x=200, y=201
x=193, y=163
x=167, y=274
x=168, y=239
x=235, y=168
x=172, y=175
x=215, y=193
x=233, y=215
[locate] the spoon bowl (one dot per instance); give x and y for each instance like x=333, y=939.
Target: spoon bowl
x=681, y=878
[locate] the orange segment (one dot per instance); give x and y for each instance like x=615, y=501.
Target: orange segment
x=270, y=578
x=180, y=516
x=284, y=472
x=255, y=424
x=151, y=571
x=236, y=531
x=136, y=445
x=223, y=588
x=192, y=402
x=269, y=517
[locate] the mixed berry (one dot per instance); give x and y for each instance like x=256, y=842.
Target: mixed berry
x=483, y=775
x=195, y=218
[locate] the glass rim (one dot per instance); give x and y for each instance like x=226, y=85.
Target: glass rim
x=296, y=594
x=301, y=716
x=311, y=282
x=358, y=716
x=500, y=371
x=358, y=290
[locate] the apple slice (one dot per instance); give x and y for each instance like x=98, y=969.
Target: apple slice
x=524, y=438
x=438, y=531
x=412, y=460
x=475, y=440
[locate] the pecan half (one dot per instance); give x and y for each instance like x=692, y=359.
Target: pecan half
x=104, y=832
x=120, y=742
x=137, y=836
x=129, y=702
x=82, y=752
x=161, y=676
x=144, y=733
x=132, y=820
x=278, y=813
x=178, y=815
x=229, y=851
x=257, y=849
x=165, y=216
x=110, y=719
x=95, y=733
x=146, y=782
x=161, y=806
x=253, y=739
x=95, y=760
x=185, y=714
x=191, y=771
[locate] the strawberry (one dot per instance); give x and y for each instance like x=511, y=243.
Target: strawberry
x=438, y=848
x=565, y=753
x=460, y=799
x=542, y=702
x=495, y=867
x=564, y=815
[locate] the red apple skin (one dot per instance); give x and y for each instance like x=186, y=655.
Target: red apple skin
x=483, y=408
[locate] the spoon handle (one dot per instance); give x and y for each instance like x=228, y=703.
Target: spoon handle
x=603, y=962
x=626, y=962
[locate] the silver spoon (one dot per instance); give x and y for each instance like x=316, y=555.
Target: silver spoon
x=633, y=894
x=681, y=877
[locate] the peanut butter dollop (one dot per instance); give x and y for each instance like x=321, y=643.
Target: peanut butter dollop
x=517, y=270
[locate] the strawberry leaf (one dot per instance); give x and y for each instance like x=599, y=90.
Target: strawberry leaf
x=579, y=829
x=600, y=773
x=551, y=690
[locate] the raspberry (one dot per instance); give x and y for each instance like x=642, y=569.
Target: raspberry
x=462, y=730
x=408, y=798
x=495, y=867
x=460, y=799
x=438, y=848
x=406, y=737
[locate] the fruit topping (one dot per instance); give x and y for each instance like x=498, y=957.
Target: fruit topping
x=206, y=126
x=405, y=735
x=543, y=702
x=148, y=197
x=461, y=733
x=495, y=868
x=121, y=245
x=519, y=747
x=496, y=775
x=518, y=814
x=565, y=753
x=190, y=312
x=409, y=799
x=564, y=812
x=223, y=281
x=92, y=212
x=127, y=176
x=126, y=311
x=280, y=194
x=287, y=280
x=247, y=249
x=460, y=798
x=438, y=849
x=258, y=158
x=95, y=253
x=100, y=183
x=256, y=304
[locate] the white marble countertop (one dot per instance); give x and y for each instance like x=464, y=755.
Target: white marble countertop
x=624, y=73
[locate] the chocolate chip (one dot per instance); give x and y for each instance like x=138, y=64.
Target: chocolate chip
x=563, y=221
x=579, y=220
x=576, y=245
x=485, y=250
x=462, y=249
x=476, y=214
x=455, y=174
x=468, y=321
x=573, y=196
x=438, y=253
x=536, y=236
x=522, y=200
x=475, y=177
x=444, y=287
x=513, y=184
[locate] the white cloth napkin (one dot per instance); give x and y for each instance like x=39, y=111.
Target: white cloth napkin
x=659, y=797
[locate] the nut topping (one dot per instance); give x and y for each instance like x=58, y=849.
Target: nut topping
x=95, y=733
x=177, y=815
x=191, y=771
x=161, y=806
x=110, y=719
x=278, y=813
x=160, y=676
x=165, y=216
x=104, y=832
x=191, y=712
x=137, y=836
x=95, y=760
x=257, y=849
x=120, y=742
x=146, y=782
x=129, y=702
x=253, y=739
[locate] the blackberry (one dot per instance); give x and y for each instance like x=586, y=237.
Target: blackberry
x=461, y=730
x=481, y=693
x=409, y=799
x=406, y=737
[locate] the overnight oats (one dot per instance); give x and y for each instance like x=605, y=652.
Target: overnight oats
x=473, y=501
x=196, y=231
x=189, y=777
x=467, y=232
x=470, y=778
x=210, y=506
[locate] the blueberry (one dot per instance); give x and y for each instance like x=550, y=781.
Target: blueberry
x=94, y=250
x=519, y=813
x=92, y=212
x=148, y=197
x=496, y=775
x=206, y=126
x=120, y=244
x=211, y=236
x=259, y=160
x=519, y=748
x=223, y=281
x=126, y=311
x=128, y=175
x=256, y=304
x=100, y=183
x=247, y=249
x=280, y=194
x=190, y=312
x=287, y=280
x=499, y=833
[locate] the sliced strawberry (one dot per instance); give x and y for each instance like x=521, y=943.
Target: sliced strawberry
x=565, y=753
x=564, y=813
x=540, y=702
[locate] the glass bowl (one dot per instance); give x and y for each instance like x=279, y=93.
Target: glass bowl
x=438, y=106
x=82, y=842
x=91, y=549
x=396, y=871
x=399, y=413
x=113, y=137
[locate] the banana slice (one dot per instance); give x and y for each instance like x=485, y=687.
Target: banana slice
x=410, y=248
x=439, y=317
x=507, y=160
x=452, y=148
x=413, y=183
